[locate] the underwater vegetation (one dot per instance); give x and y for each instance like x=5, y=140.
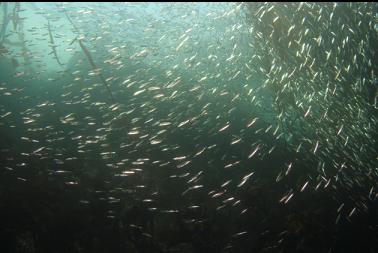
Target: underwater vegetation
x=188, y=127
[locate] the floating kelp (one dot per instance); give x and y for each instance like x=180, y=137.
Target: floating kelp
x=52, y=44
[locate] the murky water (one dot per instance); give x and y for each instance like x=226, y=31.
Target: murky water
x=188, y=127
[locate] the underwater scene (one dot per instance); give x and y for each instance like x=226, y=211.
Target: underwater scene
x=188, y=127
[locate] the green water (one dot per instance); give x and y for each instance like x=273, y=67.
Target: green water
x=188, y=127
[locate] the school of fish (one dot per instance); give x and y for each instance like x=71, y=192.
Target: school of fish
x=195, y=110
